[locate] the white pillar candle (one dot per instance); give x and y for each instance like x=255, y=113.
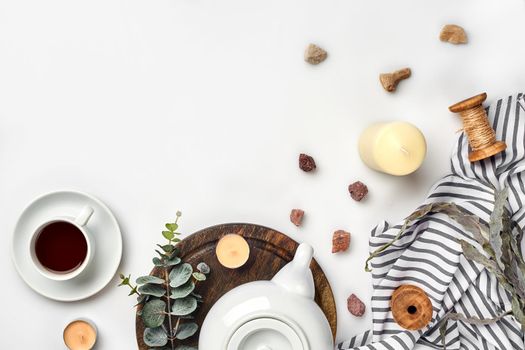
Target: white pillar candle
x=396, y=148
x=80, y=335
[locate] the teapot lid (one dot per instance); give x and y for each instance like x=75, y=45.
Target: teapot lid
x=267, y=334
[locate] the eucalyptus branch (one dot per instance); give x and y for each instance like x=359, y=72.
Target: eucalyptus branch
x=176, y=329
x=168, y=291
x=168, y=295
x=125, y=281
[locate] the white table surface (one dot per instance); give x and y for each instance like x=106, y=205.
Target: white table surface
x=204, y=106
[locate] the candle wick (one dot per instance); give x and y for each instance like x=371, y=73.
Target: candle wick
x=404, y=151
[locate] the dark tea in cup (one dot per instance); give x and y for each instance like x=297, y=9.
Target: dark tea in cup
x=61, y=247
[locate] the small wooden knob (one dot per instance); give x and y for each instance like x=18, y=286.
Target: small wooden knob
x=411, y=307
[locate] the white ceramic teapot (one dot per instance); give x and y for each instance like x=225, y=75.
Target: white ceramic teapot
x=270, y=315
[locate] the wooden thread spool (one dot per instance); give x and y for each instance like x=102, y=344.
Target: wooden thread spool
x=481, y=136
x=411, y=307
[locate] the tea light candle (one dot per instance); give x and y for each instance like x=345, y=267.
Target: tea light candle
x=396, y=148
x=80, y=335
x=232, y=251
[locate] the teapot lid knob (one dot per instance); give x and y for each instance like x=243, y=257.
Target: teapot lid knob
x=296, y=276
x=303, y=255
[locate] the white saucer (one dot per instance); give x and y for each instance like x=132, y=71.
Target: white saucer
x=107, y=237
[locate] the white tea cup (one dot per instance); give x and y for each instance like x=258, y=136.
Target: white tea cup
x=62, y=247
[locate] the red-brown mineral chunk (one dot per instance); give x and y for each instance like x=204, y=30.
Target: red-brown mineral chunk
x=358, y=190
x=355, y=306
x=306, y=162
x=296, y=216
x=340, y=241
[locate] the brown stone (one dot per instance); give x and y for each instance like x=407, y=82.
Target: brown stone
x=453, y=34
x=358, y=190
x=296, y=217
x=340, y=241
x=314, y=54
x=355, y=306
x=306, y=162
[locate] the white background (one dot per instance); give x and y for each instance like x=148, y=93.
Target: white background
x=204, y=106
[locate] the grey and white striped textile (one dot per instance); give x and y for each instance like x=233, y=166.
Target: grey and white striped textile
x=429, y=256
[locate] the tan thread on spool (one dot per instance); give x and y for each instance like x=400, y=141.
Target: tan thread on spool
x=480, y=135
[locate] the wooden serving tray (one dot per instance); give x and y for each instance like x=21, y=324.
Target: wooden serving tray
x=270, y=251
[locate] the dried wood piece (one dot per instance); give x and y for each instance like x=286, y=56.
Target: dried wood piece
x=391, y=80
x=340, y=241
x=314, y=54
x=296, y=217
x=355, y=306
x=453, y=34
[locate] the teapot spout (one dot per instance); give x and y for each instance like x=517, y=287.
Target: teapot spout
x=296, y=277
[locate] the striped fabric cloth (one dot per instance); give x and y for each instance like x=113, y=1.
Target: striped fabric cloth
x=428, y=254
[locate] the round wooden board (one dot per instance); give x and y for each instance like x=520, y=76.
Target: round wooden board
x=270, y=251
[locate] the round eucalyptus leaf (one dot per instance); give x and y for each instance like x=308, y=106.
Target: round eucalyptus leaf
x=141, y=299
x=173, y=261
x=155, y=336
x=182, y=291
x=185, y=347
x=167, y=248
x=199, y=276
x=154, y=313
x=203, y=268
x=152, y=289
x=180, y=274
x=186, y=330
x=149, y=279
x=157, y=262
x=168, y=235
x=172, y=227
x=184, y=306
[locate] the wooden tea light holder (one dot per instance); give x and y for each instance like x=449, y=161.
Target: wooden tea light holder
x=480, y=135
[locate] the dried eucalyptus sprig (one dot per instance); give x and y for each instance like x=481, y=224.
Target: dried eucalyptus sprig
x=502, y=255
x=499, y=251
x=168, y=299
x=471, y=320
x=469, y=222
